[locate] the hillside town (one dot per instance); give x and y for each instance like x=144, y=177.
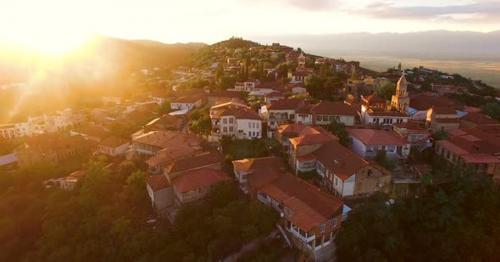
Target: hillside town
x=307, y=138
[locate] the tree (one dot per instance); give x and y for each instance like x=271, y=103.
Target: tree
x=382, y=159
x=492, y=109
x=386, y=90
x=457, y=221
x=338, y=129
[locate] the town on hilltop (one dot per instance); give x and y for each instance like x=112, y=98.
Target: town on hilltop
x=250, y=152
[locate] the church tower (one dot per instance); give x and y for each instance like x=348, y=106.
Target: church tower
x=400, y=101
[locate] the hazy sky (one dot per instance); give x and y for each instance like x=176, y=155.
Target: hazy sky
x=35, y=21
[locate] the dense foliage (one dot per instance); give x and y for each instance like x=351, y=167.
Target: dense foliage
x=451, y=222
x=105, y=219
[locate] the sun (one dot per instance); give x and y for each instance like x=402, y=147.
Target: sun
x=51, y=43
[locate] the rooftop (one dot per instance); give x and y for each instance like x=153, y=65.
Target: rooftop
x=197, y=179
x=376, y=136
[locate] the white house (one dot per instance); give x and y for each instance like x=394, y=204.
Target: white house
x=235, y=120
x=186, y=102
x=367, y=142
x=113, y=146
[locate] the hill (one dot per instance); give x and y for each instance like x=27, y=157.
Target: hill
x=102, y=66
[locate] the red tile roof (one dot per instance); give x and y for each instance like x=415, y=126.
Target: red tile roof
x=309, y=206
x=286, y=104
x=333, y=108
x=479, y=119
x=157, y=182
x=376, y=136
x=198, y=161
x=113, y=142
x=164, y=138
x=197, y=179
x=342, y=161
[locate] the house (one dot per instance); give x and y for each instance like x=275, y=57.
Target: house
x=421, y=103
x=282, y=112
x=375, y=111
x=301, y=146
x=247, y=86
x=368, y=142
x=477, y=149
x=151, y=142
x=160, y=193
x=235, y=120
x=220, y=97
x=310, y=217
x=246, y=168
x=69, y=182
x=343, y=172
x=415, y=133
x=299, y=76
x=91, y=132
x=194, y=184
x=187, y=102
x=346, y=174
x=113, y=146
x=442, y=119
x=273, y=96
x=326, y=112
x=211, y=160
x=287, y=131
x=165, y=122
x=475, y=119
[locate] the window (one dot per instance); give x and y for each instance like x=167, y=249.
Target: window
x=318, y=118
x=224, y=120
x=224, y=129
x=230, y=120
x=230, y=129
x=257, y=134
x=258, y=124
x=249, y=126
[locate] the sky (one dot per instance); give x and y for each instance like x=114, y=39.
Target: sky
x=59, y=23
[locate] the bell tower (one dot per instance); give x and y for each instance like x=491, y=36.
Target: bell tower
x=400, y=101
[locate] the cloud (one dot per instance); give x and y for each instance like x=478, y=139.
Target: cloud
x=312, y=5
x=476, y=10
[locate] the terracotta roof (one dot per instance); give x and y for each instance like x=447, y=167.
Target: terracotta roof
x=479, y=119
x=286, y=104
x=376, y=136
x=333, y=108
x=226, y=94
x=373, y=99
x=312, y=139
x=188, y=99
x=199, y=178
x=424, y=102
x=443, y=110
x=309, y=205
x=253, y=164
x=157, y=182
x=163, y=138
x=113, y=141
x=339, y=159
x=201, y=160
x=172, y=153
x=446, y=120
x=240, y=113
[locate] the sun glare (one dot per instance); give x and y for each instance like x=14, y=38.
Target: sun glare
x=48, y=43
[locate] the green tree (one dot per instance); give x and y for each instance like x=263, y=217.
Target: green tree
x=338, y=129
x=492, y=109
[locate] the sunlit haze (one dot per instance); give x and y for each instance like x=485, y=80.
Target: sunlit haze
x=55, y=26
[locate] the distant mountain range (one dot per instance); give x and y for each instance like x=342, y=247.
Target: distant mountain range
x=429, y=44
